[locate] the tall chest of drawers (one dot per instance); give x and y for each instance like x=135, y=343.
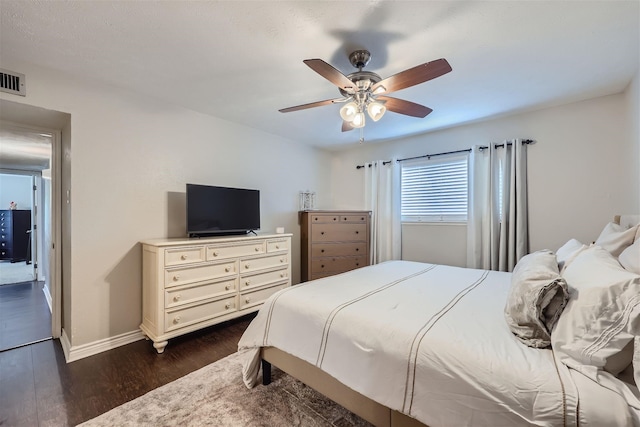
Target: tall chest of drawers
x=189, y=284
x=14, y=239
x=334, y=242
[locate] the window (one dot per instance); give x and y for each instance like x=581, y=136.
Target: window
x=435, y=190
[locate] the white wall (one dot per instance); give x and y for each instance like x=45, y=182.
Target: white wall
x=582, y=171
x=127, y=158
x=15, y=188
x=632, y=97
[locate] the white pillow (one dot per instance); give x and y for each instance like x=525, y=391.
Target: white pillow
x=630, y=257
x=602, y=315
x=536, y=298
x=615, y=238
x=568, y=251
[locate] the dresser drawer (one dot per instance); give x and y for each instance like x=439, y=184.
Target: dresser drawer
x=251, y=299
x=277, y=245
x=176, y=296
x=181, y=256
x=179, y=318
x=325, y=219
x=339, y=232
x=338, y=249
x=255, y=264
x=262, y=279
x=337, y=264
x=233, y=251
x=353, y=218
x=200, y=273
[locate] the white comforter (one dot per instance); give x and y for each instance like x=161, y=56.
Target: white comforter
x=427, y=340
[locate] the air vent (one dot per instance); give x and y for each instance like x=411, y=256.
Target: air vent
x=11, y=82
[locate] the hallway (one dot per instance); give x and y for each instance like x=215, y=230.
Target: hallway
x=24, y=314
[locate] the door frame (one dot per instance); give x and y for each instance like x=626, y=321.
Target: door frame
x=54, y=252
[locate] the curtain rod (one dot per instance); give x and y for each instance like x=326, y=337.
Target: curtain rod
x=468, y=150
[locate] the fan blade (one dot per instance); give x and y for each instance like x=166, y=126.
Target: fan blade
x=346, y=126
x=412, y=76
x=407, y=108
x=311, y=105
x=330, y=73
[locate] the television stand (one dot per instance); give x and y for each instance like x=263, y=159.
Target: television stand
x=191, y=284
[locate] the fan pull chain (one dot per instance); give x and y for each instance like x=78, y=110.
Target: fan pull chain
x=361, y=135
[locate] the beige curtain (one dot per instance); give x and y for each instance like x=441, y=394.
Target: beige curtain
x=382, y=197
x=498, y=230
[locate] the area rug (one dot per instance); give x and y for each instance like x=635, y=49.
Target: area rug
x=216, y=396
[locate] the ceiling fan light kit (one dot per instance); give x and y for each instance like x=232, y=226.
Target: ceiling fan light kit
x=365, y=90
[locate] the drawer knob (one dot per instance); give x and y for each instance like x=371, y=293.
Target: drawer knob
x=321, y=250
x=322, y=266
x=322, y=232
x=247, y=283
x=345, y=218
x=177, y=298
x=215, y=253
x=183, y=257
x=176, y=320
x=282, y=259
x=227, y=306
x=357, y=264
x=357, y=249
x=277, y=246
x=357, y=232
x=226, y=288
x=227, y=269
x=257, y=249
x=176, y=277
x=246, y=266
x=248, y=300
x=282, y=275
x=335, y=219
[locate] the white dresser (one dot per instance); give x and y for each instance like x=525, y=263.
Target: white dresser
x=189, y=284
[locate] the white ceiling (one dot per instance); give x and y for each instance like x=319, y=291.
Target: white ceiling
x=242, y=61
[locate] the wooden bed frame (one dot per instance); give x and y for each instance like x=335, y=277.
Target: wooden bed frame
x=377, y=414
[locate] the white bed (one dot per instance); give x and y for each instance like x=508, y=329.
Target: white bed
x=404, y=343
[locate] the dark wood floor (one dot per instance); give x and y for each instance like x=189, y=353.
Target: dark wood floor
x=38, y=388
x=24, y=314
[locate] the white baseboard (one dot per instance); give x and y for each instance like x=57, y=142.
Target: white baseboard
x=73, y=353
x=47, y=296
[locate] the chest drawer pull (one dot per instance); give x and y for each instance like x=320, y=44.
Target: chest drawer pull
x=257, y=249
x=227, y=306
x=176, y=320
x=176, y=277
x=227, y=269
x=215, y=253
x=247, y=283
x=177, y=298
x=226, y=288
x=357, y=232
x=283, y=275
x=248, y=300
x=183, y=257
x=322, y=232
x=246, y=266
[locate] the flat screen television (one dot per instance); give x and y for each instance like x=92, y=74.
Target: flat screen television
x=221, y=210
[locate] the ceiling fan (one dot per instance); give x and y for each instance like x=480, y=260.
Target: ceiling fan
x=366, y=91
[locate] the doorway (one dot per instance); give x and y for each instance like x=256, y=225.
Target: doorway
x=25, y=234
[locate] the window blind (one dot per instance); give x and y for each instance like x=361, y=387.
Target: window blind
x=435, y=190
